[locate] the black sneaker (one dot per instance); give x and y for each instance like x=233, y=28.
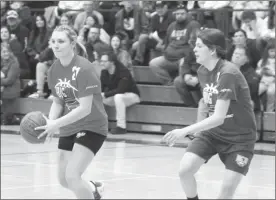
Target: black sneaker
x=118, y=130
x=99, y=188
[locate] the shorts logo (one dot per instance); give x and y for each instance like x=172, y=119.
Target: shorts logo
x=241, y=160
x=80, y=134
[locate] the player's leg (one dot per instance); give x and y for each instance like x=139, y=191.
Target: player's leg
x=198, y=152
x=237, y=165
x=65, y=146
x=85, y=148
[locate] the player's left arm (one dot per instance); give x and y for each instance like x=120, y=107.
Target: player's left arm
x=88, y=85
x=226, y=93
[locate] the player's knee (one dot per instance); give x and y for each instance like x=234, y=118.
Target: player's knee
x=72, y=179
x=189, y=165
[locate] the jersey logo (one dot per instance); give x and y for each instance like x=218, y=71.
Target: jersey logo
x=67, y=92
x=75, y=71
x=208, y=92
x=80, y=134
x=241, y=160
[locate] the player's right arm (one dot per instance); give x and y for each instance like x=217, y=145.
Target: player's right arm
x=56, y=109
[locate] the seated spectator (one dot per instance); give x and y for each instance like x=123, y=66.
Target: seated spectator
x=71, y=8
x=16, y=29
x=65, y=20
x=3, y=10
x=38, y=42
x=89, y=10
x=158, y=29
x=180, y=34
x=24, y=13
x=133, y=21
x=241, y=58
x=239, y=39
x=17, y=50
x=187, y=84
x=266, y=68
x=269, y=33
x=252, y=25
x=122, y=55
x=90, y=21
x=93, y=43
x=118, y=89
x=10, y=84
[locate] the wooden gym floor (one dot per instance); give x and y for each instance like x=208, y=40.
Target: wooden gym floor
x=128, y=170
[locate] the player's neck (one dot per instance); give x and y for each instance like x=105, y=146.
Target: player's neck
x=66, y=60
x=211, y=63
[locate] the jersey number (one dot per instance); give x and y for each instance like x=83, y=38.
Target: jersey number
x=75, y=72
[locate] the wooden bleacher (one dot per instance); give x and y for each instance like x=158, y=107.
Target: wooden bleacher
x=161, y=109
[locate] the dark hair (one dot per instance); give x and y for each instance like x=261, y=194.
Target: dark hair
x=94, y=17
x=214, y=39
x=270, y=45
x=85, y=34
x=111, y=56
x=118, y=36
x=232, y=34
x=248, y=14
x=36, y=30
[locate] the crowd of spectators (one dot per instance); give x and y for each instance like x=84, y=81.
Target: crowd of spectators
x=158, y=34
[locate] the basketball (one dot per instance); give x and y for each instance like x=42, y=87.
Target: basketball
x=28, y=125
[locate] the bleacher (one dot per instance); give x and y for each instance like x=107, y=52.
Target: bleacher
x=160, y=110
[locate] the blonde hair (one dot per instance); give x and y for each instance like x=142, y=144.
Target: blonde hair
x=79, y=48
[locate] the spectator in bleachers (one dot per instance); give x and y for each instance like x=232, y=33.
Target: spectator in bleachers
x=10, y=82
x=16, y=29
x=187, y=84
x=65, y=20
x=118, y=89
x=122, y=55
x=90, y=21
x=3, y=10
x=17, y=50
x=24, y=13
x=93, y=43
x=239, y=39
x=38, y=42
x=180, y=34
x=89, y=10
x=241, y=57
x=154, y=42
x=252, y=25
x=266, y=68
x=132, y=21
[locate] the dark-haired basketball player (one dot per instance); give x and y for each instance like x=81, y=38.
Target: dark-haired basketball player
x=230, y=130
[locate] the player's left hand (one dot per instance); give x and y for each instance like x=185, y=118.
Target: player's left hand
x=50, y=129
x=171, y=137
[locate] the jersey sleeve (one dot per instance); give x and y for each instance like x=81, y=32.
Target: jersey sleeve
x=88, y=83
x=227, y=87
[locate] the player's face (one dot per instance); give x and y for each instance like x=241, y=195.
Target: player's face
x=61, y=44
x=202, y=52
x=115, y=42
x=4, y=33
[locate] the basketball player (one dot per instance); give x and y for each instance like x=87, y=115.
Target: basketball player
x=230, y=129
x=77, y=113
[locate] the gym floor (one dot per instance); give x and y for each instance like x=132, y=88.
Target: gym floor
x=128, y=171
